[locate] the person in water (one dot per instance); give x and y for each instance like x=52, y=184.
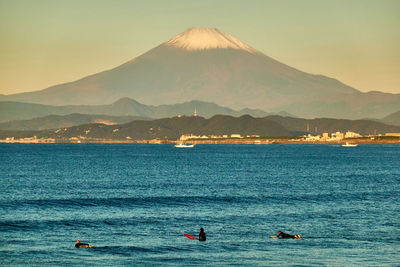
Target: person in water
x=284, y=235
x=78, y=244
x=202, y=235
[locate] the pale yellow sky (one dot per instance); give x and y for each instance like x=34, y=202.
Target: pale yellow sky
x=47, y=42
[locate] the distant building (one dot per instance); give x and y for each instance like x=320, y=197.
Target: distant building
x=195, y=113
x=253, y=136
x=337, y=136
x=325, y=137
x=312, y=138
x=185, y=137
x=28, y=140
x=155, y=141
x=236, y=136
x=392, y=134
x=350, y=134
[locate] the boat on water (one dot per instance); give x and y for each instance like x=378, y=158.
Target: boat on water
x=183, y=145
x=349, y=145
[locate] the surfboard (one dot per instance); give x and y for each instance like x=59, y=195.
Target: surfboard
x=190, y=237
x=85, y=246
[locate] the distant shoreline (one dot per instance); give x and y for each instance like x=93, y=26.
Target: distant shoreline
x=230, y=141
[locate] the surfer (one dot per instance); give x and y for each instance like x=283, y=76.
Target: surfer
x=202, y=235
x=78, y=244
x=284, y=235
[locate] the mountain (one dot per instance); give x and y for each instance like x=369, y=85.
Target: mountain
x=210, y=65
x=171, y=128
x=393, y=119
x=64, y=121
x=123, y=107
x=351, y=106
x=299, y=126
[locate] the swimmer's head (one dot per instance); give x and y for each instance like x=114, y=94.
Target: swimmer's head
x=77, y=241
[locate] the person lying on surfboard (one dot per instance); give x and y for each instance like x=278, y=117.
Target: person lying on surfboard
x=284, y=235
x=202, y=235
x=78, y=244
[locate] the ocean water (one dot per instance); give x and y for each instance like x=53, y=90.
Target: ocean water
x=134, y=203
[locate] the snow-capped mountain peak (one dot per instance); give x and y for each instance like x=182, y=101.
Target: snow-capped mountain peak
x=207, y=38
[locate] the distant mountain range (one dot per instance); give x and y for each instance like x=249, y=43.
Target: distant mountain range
x=63, y=121
x=10, y=111
x=212, y=66
x=172, y=128
x=392, y=119
x=299, y=126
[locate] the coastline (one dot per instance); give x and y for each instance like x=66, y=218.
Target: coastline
x=230, y=141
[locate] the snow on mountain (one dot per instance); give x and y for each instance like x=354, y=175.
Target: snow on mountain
x=207, y=38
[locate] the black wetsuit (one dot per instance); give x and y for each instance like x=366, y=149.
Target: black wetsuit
x=284, y=235
x=202, y=236
x=78, y=245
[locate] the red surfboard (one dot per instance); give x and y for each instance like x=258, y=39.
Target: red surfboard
x=190, y=237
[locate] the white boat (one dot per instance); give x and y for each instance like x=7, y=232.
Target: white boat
x=183, y=145
x=349, y=145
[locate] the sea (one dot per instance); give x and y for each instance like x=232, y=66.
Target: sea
x=135, y=202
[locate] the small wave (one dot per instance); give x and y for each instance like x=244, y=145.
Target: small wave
x=11, y=225
x=123, y=249
x=34, y=225
x=132, y=201
x=151, y=201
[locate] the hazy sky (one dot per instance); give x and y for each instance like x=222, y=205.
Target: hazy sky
x=47, y=42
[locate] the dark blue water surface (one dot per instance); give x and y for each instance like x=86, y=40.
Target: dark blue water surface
x=135, y=202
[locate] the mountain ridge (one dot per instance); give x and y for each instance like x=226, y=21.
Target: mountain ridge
x=64, y=121
x=231, y=77
x=393, y=118
x=318, y=126
x=172, y=128
x=11, y=111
